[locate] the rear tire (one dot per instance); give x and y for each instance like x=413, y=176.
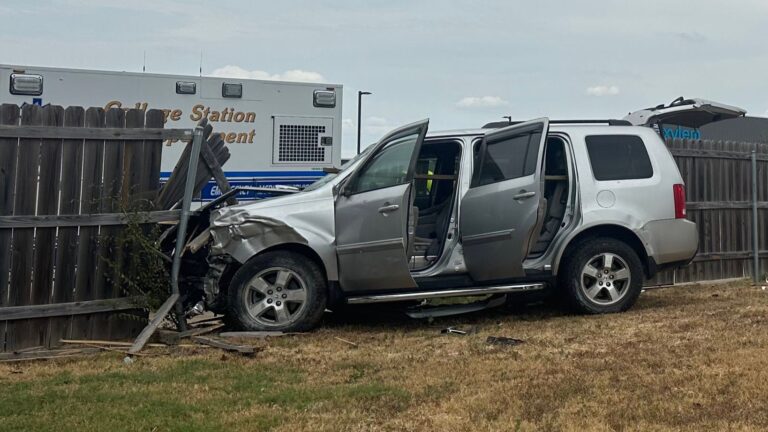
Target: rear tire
x=277, y=291
x=601, y=275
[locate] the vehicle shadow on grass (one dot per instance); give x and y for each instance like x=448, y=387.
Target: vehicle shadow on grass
x=393, y=315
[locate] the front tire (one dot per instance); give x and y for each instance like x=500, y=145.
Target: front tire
x=277, y=291
x=602, y=275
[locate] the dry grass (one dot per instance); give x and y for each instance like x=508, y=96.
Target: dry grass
x=689, y=358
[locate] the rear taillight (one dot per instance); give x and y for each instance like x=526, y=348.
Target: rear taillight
x=678, y=191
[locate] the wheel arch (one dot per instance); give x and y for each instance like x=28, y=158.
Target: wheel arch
x=615, y=231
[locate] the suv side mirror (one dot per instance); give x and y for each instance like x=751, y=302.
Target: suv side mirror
x=341, y=189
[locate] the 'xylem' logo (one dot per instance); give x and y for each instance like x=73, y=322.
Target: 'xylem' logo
x=680, y=132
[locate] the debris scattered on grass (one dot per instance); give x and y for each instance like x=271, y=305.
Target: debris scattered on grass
x=252, y=334
x=173, y=337
x=346, y=341
x=246, y=350
x=501, y=340
x=456, y=331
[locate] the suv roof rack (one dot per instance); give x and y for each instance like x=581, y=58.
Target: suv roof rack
x=609, y=122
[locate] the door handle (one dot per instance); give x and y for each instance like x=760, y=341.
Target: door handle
x=388, y=208
x=524, y=195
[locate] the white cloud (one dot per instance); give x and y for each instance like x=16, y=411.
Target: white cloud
x=230, y=71
x=603, y=90
x=481, y=102
x=376, y=121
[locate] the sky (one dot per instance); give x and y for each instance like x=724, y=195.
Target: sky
x=459, y=63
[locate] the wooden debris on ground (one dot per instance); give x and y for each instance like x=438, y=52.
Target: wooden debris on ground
x=246, y=350
x=253, y=334
x=171, y=337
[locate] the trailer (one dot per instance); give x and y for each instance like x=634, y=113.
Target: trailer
x=278, y=133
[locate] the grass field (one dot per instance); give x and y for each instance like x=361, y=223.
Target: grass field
x=687, y=358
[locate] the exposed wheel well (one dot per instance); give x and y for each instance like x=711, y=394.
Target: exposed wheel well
x=617, y=232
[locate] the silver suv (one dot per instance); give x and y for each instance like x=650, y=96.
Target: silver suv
x=590, y=209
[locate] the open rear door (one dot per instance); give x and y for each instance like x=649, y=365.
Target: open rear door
x=499, y=211
x=688, y=113
x=372, y=214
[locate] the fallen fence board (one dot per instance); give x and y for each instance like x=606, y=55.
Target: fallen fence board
x=242, y=349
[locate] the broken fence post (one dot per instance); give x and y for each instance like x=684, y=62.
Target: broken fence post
x=181, y=231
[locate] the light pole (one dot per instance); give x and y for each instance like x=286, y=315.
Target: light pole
x=359, y=112
x=509, y=118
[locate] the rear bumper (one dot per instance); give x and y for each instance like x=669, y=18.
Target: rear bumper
x=671, y=242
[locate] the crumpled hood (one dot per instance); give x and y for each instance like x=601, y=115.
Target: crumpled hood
x=269, y=208
x=305, y=218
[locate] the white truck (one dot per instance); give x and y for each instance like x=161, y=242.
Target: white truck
x=278, y=133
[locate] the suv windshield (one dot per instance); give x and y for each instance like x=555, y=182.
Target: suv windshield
x=324, y=180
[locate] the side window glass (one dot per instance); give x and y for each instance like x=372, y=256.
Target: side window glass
x=618, y=157
x=388, y=167
x=508, y=158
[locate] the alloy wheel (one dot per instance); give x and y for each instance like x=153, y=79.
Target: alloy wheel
x=605, y=279
x=276, y=296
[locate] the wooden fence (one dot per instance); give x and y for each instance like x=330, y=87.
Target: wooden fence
x=718, y=179
x=66, y=176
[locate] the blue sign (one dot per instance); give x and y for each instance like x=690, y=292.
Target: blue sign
x=37, y=101
x=681, y=133
x=266, y=179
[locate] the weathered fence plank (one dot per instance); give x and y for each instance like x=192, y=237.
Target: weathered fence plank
x=47, y=203
x=86, y=220
x=153, y=150
x=24, y=333
x=109, y=133
x=70, y=308
x=9, y=115
x=69, y=199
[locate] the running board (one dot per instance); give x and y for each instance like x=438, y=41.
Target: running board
x=458, y=292
x=420, y=312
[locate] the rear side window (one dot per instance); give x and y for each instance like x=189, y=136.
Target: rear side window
x=618, y=157
x=508, y=158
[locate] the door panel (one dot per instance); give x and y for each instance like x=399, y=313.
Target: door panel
x=372, y=213
x=499, y=211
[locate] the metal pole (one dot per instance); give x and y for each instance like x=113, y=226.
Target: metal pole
x=359, y=116
x=359, y=99
x=181, y=231
x=755, y=245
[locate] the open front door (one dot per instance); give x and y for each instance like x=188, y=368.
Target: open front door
x=372, y=213
x=499, y=211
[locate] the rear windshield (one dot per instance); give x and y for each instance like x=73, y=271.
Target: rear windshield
x=618, y=157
